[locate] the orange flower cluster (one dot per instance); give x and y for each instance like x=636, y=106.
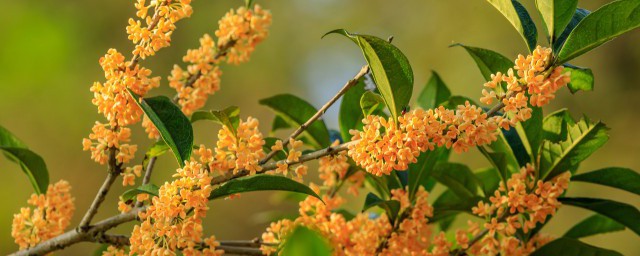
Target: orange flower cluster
x=193, y=94
x=334, y=168
x=113, y=251
x=103, y=138
x=242, y=30
x=240, y=149
x=129, y=175
x=49, y=217
x=293, y=155
x=364, y=235
x=173, y=221
x=159, y=26
x=381, y=151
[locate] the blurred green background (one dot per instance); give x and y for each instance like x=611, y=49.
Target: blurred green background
x=49, y=54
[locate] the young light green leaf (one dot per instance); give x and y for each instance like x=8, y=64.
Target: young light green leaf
x=556, y=14
x=32, y=165
x=350, y=115
x=616, y=177
x=260, y=182
x=596, y=224
x=391, y=207
x=568, y=246
x=174, y=127
x=519, y=18
x=390, y=69
x=554, y=126
x=457, y=177
x=131, y=194
x=370, y=102
x=434, y=93
x=622, y=213
x=317, y=133
x=583, y=139
x=530, y=132
x=601, y=26
x=304, y=241
x=581, y=79
x=228, y=117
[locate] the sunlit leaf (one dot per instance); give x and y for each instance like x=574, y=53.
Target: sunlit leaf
x=622, y=213
x=596, y=224
x=615, y=177
x=519, y=18
x=260, y=182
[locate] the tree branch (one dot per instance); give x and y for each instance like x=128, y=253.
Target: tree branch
x=113, y=172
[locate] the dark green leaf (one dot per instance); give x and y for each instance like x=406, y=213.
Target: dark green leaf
x=32, y=165
x=391, y=207
x=556, y=14
x=488, y=61
x=554, y=126
x=448, y=204
x=174, y=127
x=346, y=214
x=616, y=177
x=260, y=182
x=489, y=180
x=268, y=143
x=530, y=131
x=583, y=139
x=596, y=224
x=377, y=184
x=581, y=79
x=620, y=212
x=316, y=133
x=420, y=171
x=455, y=101
x=458, y=178
x=304, y=241
x=434, y=93
x=568, y=246
x=131, y=194
x=519, y=18
x=390, y=69
x=279, y=123
x=578, y=16
x=350, y=116
x=370, y=102
x=7, y=139
x=601, y=26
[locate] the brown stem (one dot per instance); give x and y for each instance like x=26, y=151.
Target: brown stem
x=113, y=172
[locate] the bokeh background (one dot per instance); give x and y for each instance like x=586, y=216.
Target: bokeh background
x=49, y=54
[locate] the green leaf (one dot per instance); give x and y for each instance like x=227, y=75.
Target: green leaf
x=454, y=101
x=268, y=143
x=582, y=140
x=578, y=16
x=248, y=3
x=596, y=224
x=228, y=117
x=519, y=18
x=377, y=184
x=279, y=123
x=304, y=241
x=434, y=93
x=488, y=61
x=391, y=207
x=260, y=182
x=554, y=126
x=390, y=69
x=530, y=131
x=350, y=115
x=420, y=171
x=448, y=204
x=502, y=157
x=296, y=111
x=556, y=14
x=568, y=246
x=32, y=165
x=581, y=79
x=622, y=213
x=616, y=177
x=458, y=178
x=489, y=180
x=601, y=26
x=370, y=102
x=174, y=127
x=131, y=194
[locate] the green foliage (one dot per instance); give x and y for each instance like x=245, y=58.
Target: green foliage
x=228, y=117
x=622, y=213
x=420, y=171
x=174, y=127
x=390, y=69
x=31, y=163
x=371, y=102
x=596, y=224
x=304, y=241
x=554, y=126
x=583, y=138
x=556, y=14
x=317, y=133
x=601, y=26
x=434, y=93
x=568, y=246
x=519, y=18
x=489, y=62
x=616, y=177
x=260, y=182
x=458, y=178
x=131, y=194
x=581, y=79
x=268, y=143
x=350, y=115
x=391, y=207
x=529, y=131
x=559, y=39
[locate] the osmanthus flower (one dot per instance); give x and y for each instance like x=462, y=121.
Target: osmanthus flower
x=113, y=251
x=243, y=29
x=158, y=26
x=104, y=137
x=173, y=221
x=129, y=175
x=333, y=168
x=49, y=215
x=240, y=149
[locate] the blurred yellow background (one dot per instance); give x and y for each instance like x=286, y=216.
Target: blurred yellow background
x=49, y=54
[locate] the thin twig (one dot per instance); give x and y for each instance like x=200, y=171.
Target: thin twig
x=239, y=250
x=113, y=172
x=320, y=112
